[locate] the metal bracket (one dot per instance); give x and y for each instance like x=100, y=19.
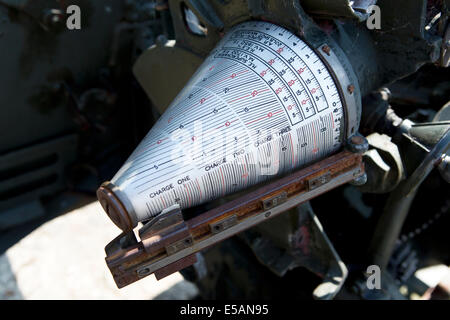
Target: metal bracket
x=169, y=243
x=167, y=219
x=168, y=230
x=274, y=200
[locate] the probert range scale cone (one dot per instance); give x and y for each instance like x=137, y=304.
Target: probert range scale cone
x=262, y=104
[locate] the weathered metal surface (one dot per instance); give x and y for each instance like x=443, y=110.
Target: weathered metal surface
x=385, y=162
x=130, y=263
x=30, y=173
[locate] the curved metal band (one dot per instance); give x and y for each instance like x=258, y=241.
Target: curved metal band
x=348, y=89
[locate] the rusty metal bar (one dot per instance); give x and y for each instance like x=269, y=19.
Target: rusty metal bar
x=168, y=243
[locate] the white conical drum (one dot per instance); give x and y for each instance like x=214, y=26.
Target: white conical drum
x=262, y=104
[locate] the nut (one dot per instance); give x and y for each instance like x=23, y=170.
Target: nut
x=326, y=49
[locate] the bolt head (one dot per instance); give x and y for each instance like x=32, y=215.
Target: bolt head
x=351, y=89
x=326, y=49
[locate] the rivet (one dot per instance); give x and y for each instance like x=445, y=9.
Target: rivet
x=351, y=88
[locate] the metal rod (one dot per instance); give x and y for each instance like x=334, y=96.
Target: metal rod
x=398, y=204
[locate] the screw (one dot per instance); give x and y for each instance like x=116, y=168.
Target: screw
x=351, y=88
x=144, y=272
x=268, y=214
x=326, y=49
x=357, y=144
x=356, y=139
x=161, y=40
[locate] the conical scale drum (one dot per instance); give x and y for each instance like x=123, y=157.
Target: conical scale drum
x=262, y=104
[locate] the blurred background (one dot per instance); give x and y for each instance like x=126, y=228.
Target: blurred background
x=63, y=258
